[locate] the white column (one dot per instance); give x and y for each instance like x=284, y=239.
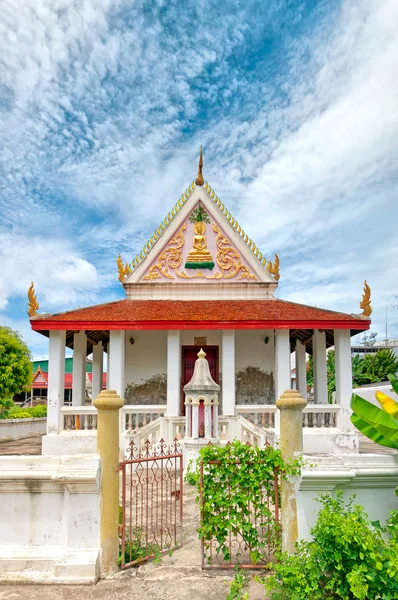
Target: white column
x=320, y=371
x=108, y=360
x=188, y=417
x=282, y=368
x=228, y=372
x=79, y=368
x=98, y=369
x=215, y=418
x=301, y=369
x=116, y=361
x=208, y=419
x=56, y=380
x=195, y=419
x=173, y=373
x=343, y=372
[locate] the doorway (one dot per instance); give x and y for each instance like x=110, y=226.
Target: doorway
x=189, y=356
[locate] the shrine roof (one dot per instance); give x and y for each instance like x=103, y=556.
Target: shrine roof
x=213, y=314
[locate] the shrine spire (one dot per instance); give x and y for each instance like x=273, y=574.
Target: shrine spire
x=199, y=180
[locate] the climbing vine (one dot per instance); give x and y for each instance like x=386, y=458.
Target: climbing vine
x=237, y=481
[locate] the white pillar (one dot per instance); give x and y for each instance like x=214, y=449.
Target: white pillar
x=79, y=368
x=188, y=417
x=108, y=358
x=173, y=373
x=215, y=418
x=343, y=372
x=116, y=361
x=208, y=419
x=98, y=369
x=228, y=372
x=282, y=368
x=56, y=380
x=301, y=369
x=195, y=419
x=320, y=371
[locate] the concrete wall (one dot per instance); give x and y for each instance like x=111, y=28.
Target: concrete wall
x=254, y=367
x=371, y=477
x=146, y=367
x=49, y=518
x=369, y=393
x=13, y=429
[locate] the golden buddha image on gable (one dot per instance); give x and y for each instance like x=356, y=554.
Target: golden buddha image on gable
x=199, y=257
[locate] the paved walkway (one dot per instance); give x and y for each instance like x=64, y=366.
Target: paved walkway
x=176, y=577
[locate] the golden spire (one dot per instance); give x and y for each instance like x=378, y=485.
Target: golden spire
x=199, y=180
x=365, y=302
x=33, y=303
x=123, y=270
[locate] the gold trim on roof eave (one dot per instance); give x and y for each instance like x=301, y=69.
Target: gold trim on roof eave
x=272, y=267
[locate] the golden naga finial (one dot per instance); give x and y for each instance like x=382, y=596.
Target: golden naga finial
x=123, y=269
x=274, y=268
x=199, y=180
x=365, y=302
x=33, y=303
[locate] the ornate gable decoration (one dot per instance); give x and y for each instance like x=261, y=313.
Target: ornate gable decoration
x=199, y=250
x=200, y=246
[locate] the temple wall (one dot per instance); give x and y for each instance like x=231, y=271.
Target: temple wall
x=146, y=367
x=254, y=367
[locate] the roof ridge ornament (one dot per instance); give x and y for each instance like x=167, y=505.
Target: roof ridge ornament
x=33, y=303
x=365, y=302
x=199, y=180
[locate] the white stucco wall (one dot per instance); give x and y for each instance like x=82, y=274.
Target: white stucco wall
x=371, y=477
x=147, y=356
x=254, y=366
x=13, y=429
x=49, y=518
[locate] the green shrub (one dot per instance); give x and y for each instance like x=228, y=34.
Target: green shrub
x=192, y=474
x=347, y=558
x=16, y=412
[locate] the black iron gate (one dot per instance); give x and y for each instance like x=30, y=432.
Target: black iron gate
x=151, y=510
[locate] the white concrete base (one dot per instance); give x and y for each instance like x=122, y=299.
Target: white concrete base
x=48, y=565
x=70, y=443
x=14, y=429
x=329, y=441
x=49, y=518
x=191, y=449
x=371, y=477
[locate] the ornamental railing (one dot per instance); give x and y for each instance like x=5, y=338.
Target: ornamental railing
x=79, y=418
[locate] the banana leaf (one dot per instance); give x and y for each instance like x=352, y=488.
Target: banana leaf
x=394, y=382
x=372, y=414
x=372, y=433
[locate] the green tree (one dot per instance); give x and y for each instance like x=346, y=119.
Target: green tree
x=374, y=368
x=15, y=367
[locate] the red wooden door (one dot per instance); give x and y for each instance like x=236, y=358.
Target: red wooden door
x=189, y=357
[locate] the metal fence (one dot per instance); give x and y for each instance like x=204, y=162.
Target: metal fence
x=255, y=512
x=151, y=502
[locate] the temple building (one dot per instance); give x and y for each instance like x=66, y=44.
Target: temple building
x=200, y=282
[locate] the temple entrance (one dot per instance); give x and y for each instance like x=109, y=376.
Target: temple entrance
x=189, y=356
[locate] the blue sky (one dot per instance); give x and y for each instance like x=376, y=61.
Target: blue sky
x=103, y=106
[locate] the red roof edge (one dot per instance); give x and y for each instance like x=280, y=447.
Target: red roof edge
x=44, y=325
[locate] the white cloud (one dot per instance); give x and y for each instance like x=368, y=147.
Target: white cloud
x=103, y=106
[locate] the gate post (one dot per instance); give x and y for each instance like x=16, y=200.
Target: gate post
x=291, y=404
x=108, y=404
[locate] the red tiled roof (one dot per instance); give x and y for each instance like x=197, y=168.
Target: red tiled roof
x=216, y=314
x=68, y=381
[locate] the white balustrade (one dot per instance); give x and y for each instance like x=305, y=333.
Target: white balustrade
x=262, y=415
x=79, y=418
x=323, y=416
x=314, y=415
x=134, y=417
